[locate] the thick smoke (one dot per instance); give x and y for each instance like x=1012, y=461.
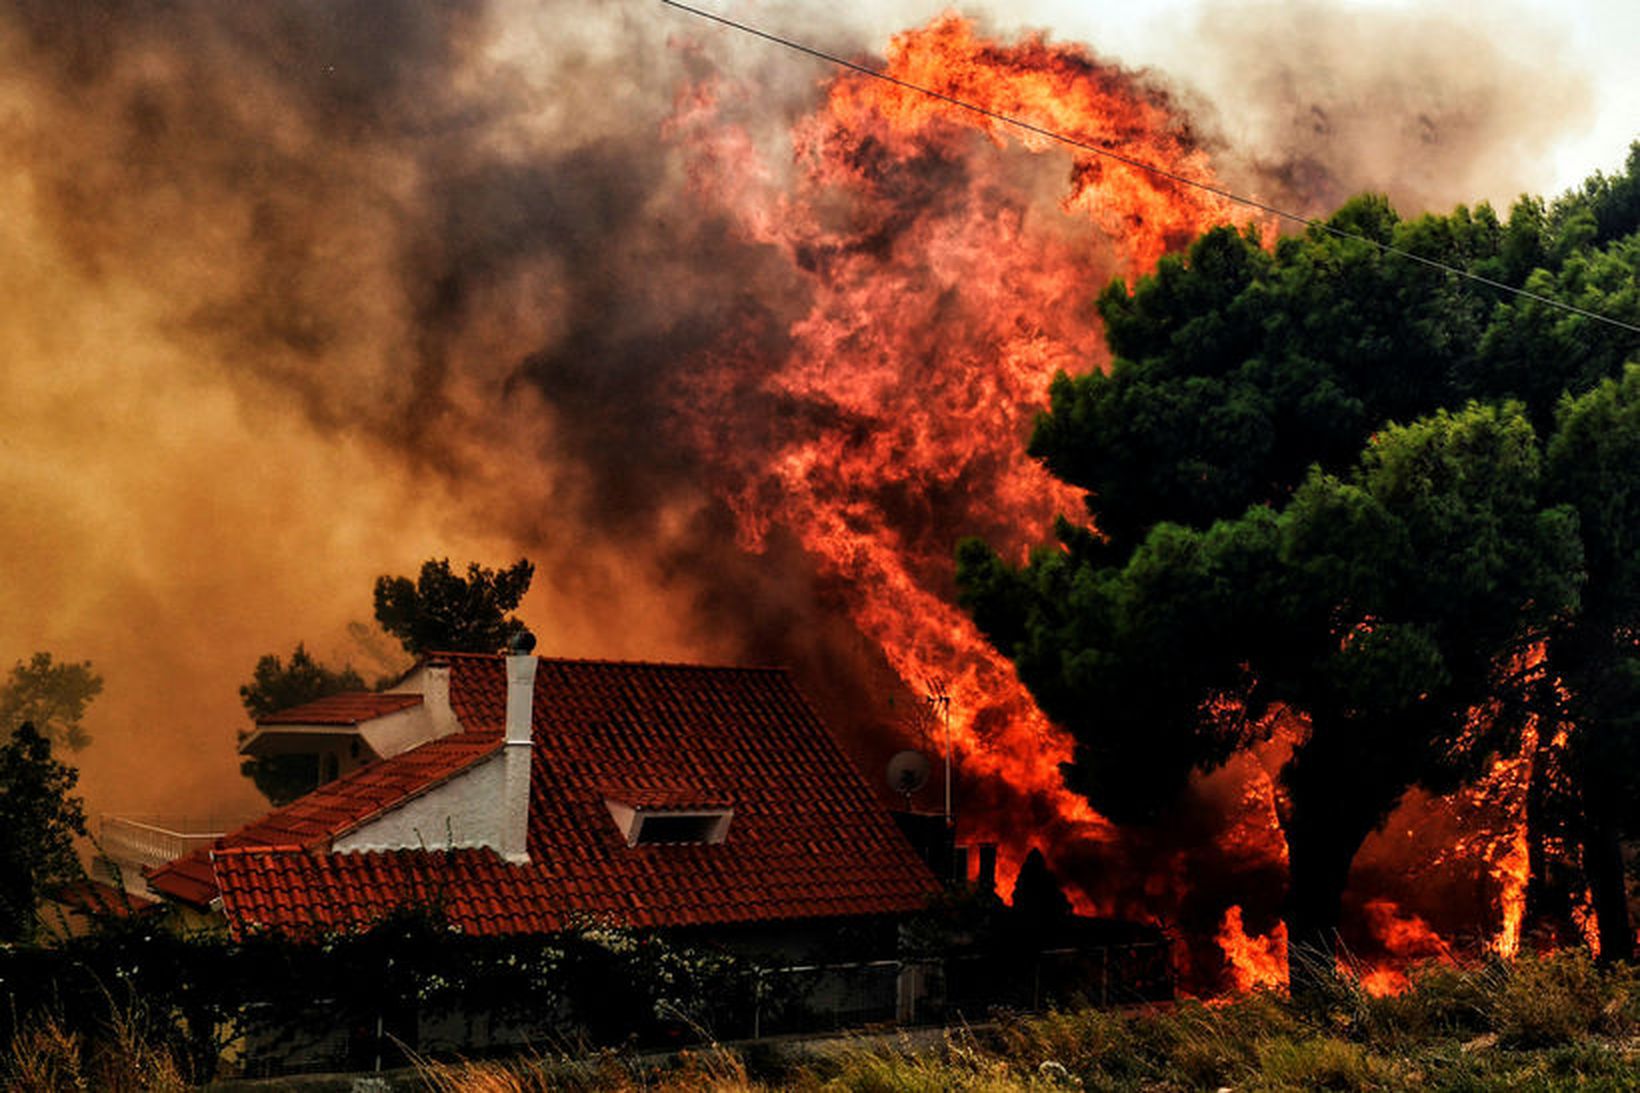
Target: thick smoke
x=1321, y=101
x=306, y=293
x=298, y=294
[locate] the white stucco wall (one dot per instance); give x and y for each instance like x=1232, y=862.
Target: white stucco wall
x=464, y=812
x=395, y=733
x=433, y=684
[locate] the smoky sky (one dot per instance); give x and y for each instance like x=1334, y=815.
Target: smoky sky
x=294, y=294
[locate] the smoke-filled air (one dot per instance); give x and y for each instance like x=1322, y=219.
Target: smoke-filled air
x=733, y=344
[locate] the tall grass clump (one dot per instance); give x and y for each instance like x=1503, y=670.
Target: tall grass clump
x=960, y=1065
x=1563, y=1000
x=711, y=1070
x=46, y=1057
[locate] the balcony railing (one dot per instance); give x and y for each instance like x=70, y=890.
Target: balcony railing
x=133, y=842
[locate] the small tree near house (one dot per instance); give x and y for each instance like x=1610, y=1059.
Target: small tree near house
x=439, y=611
x=442, y=611
x=39, y=819
x=52, y=695
x=278, y=685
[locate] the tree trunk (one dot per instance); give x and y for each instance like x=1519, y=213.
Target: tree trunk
x=1603, y=866
x=1553, y=875
x=1333, y=804
x=1322, y=842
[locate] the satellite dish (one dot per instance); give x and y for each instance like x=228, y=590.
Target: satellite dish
x=907, y=773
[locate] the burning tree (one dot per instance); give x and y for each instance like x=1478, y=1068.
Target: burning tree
x=1592, y=464
x=1265, y=538
x=1387, y=605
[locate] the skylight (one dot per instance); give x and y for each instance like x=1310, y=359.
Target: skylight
x=669, y=826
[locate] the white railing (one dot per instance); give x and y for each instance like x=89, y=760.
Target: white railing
x=138, y=843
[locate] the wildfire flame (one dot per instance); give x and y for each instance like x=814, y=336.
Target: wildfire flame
x=941, y=302
x=1253, y=962
x=938, y=297
x=1407, y=939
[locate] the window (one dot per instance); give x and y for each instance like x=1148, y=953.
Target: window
x=662, y=826
x=658, y=827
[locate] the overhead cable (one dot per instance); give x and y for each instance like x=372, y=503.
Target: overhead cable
x=1141, y=165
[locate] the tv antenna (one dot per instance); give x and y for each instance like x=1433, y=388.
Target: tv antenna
x=907, y=773
x=938, y=698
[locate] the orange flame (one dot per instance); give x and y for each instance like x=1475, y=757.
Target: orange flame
x=1583, y=917
x=1405, y=940
x=940, y=303
x=1511, y=872
x=932, y=300
x=1253, y=962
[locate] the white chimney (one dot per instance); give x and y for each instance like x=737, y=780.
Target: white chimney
x=515, y=795
x=520, y=697
x=435, y=697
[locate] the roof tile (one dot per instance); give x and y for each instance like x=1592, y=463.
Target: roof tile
x=347, y=708
x=808, y=838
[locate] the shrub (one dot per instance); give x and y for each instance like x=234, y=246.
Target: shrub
x=1547, y=1002
x=1442, y=1000
x=1321, y=1062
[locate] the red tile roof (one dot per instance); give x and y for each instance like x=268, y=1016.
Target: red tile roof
x=291, y=890
x=94, y=897
x=679, y=798
x=311, y=822
x=349, y=708
x=808, y=837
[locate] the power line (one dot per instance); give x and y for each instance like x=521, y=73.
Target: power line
x=1141, y=165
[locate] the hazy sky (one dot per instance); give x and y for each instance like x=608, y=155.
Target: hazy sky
x=1600, y=38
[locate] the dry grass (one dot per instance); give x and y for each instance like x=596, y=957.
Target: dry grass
x=709, y=1070
x=46, y=1058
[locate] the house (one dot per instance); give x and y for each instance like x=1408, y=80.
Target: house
x=524, y=795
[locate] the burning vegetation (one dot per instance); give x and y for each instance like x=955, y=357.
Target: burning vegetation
x=743, y=354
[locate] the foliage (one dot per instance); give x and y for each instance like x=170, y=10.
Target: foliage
x=1038, y=896
x=1592, y=465
x=441, y=611
x=1542, y=1023
x=52, y=696
x=1546, y=1003
x=199, y=997
x=1382, y=603
x=1263, y=1042
x=1315, y=485
x=276, y=685
x=40, y=819
x=713, y=1070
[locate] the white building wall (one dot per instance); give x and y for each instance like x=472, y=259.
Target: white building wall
x=396, y=733
x=462, y=813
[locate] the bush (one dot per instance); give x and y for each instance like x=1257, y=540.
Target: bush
x=1322, y=1062
x=1556, y=1001
x=1443, y=1000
